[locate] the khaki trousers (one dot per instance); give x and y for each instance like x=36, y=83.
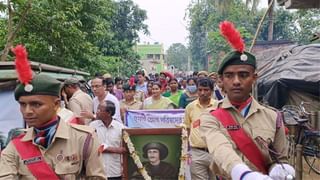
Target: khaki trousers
x=200, y=165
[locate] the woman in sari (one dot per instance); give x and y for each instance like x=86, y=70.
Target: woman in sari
x=190, y=93
x=157, y=101
x=174, y=93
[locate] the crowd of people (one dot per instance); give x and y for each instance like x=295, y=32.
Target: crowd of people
x=114, y=96
x=230, y=134
x=137, y=93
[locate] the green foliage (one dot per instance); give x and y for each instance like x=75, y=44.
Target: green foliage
x=198, y=14
x=88, y=35
x=296, y=26
x=2, y=7
x=308, y=21
x=3, y=32
x=177, y=55
x=205, y=39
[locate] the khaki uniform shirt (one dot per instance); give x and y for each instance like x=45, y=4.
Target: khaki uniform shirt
x=65, y=114
x=192, y=121
x=124, y=106
x=162, y=103
x=135, y=105
x=260, y=122
x=80, y=101
x=139, y=96
x=64, y=155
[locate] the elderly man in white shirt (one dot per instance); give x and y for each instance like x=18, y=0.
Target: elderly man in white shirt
x=109, y=133
x=98, y=86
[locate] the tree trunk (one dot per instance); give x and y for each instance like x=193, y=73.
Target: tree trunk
x=270, y=28
x=11, y=32
x=260, y=25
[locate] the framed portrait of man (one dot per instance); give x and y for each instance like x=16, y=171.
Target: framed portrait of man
x=159, y=151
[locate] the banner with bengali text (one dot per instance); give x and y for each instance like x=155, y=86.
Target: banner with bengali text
x=154, y=118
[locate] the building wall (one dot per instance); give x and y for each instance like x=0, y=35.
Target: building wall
x=264, y=45
x=151, y=57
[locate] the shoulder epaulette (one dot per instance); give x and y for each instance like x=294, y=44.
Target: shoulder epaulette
x=17, y=133
x=83, y=128
x=269, y=107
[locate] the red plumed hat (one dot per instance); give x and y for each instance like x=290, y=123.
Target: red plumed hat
x=232, y=35
x=239, y=56
x=23, y=67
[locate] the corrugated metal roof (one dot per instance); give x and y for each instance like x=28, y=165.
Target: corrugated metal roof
x=7, y=71
x=36, y=66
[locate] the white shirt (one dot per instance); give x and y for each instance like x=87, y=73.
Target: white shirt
x=142, y=87
x=112, y=137
x=111, y=98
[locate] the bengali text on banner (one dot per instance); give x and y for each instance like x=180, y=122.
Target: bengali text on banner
x=154, y=118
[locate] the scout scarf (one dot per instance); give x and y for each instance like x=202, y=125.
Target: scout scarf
x=243, y=107
x=44, y=135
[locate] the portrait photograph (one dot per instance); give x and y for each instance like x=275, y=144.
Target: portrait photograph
x=159, y=151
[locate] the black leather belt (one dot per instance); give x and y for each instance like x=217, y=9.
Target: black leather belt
x=202, y=149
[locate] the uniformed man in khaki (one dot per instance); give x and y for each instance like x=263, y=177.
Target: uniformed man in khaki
x=200, y=158
x=78, y=100
x=129, y=102
x=68, y=151
x=202, y=74
x=262, y=124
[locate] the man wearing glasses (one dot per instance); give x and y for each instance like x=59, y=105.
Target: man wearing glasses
x=98, y=86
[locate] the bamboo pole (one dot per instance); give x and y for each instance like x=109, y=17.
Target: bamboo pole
x=299, y=166
x=260, y=24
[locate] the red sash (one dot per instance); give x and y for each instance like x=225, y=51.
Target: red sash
x=33, y=159
x=244, y=143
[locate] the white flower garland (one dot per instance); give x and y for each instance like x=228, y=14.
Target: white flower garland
x=135, y=157
x=183, y=158
x=184, y=152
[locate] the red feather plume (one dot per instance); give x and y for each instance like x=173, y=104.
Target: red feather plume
x=168, y=74
x=232, y=35
x=131, y=81
x=23, y=67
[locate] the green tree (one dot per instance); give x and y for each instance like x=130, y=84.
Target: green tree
x=296, y=26
x=88, y=35
x=205, y=39
x=198, y=14
x=177, y=55
x=223, y=6
x=13, y=28
x=284, y=28
x=307, y=21
x=210, y=43
x=125, y=26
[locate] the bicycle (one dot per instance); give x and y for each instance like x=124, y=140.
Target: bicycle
x=296, y=119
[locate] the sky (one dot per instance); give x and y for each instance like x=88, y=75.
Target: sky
x=166, y=21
